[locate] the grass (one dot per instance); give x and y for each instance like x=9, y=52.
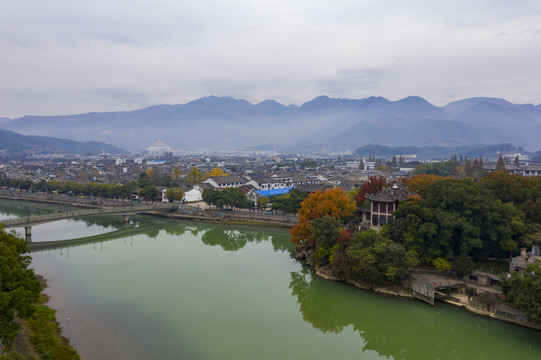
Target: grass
x=46, y=335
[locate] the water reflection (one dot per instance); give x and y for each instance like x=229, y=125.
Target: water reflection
x=227, y=238
x=399, y=332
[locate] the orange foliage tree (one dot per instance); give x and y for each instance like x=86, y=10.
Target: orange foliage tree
x=332, y=203
x=419, y=182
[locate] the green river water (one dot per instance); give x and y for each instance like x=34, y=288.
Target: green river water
x=162, y=289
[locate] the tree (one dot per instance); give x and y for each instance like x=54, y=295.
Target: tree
x=443, y=169
x=325, y=234
x=144, y=179
x=290, y=202
x=394, y=162
x=361, y=164
x=195, y=176
x=310, y=163
x=525, y=291
x=517, y=161
x=216, y=172
x=19, y=287
x=500, y=164
x=174, y=194
x=441, y=265
x=150, y=172
x=176, y=173
x=376, y=259
x=263, y=202
x=374, y=185
x=468, y=167
x=457, y=218
x=149, y=192
x=333, y=203
x=418, y=183
x=210, y=196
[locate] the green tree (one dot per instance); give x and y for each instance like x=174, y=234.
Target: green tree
x=263, y=202
x=144, y=179
x=211, y=197
x=442, y=169
x=457, y=218
x=378, y=260
x=500, y=164
x=394, y=162
x=325, y=233
x=525, y=291
x=19, y=287
x=174, y=194
x=149, y=192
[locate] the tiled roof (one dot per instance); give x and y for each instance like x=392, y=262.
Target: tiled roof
x=394, y=193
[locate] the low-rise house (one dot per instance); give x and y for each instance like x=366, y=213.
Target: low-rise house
x=222, y=182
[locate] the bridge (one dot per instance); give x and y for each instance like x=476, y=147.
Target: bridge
x=125, y=211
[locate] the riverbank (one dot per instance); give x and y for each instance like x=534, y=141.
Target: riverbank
x=40, y=336
x=485, y=302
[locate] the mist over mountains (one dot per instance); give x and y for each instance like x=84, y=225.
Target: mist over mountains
x=322, y=124
x=15, y=143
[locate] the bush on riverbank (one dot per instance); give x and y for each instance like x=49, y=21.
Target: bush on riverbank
x=19, y=294
x=45, y=338
x=19, y=287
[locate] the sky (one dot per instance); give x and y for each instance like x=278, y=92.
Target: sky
x=72, y=56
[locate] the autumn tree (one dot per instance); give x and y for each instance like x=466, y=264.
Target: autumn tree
x=151, y=173
x=195, y=176
x=216, y=172
x=374, y=185
x=176, y=173
x=418, y=183
x=333, y=203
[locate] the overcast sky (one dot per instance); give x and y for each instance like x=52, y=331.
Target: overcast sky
x=74, y=56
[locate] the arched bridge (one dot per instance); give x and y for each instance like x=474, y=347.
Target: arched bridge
x=28, y=222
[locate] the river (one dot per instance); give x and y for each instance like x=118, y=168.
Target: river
x=162, y=289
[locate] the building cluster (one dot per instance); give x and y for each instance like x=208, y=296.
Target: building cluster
x=256, y=177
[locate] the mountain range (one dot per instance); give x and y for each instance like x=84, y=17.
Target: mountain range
x=322, y=124
x=17, y=144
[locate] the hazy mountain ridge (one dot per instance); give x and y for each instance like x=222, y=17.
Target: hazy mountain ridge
x=442, y=152
x=14, y=142
x=333, y=124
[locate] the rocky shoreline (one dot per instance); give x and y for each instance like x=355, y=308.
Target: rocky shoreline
x=458, y=300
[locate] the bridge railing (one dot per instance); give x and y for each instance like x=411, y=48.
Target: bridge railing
x=63, y=215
